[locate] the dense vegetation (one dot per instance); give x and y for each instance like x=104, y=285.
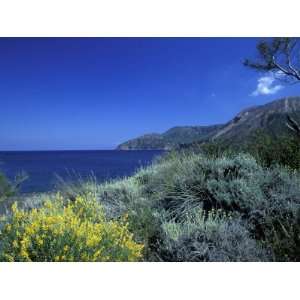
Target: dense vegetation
x=72, y=231
x=213, y=202
x=268, y=150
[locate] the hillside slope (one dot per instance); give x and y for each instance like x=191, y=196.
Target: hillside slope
x=171, y=138
x=269, y=118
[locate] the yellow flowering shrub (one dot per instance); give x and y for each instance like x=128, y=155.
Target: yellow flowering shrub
x=72, y=231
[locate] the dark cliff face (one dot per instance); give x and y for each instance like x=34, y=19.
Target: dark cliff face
x=269, y=118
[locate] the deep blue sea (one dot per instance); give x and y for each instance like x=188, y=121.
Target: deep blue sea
x=43, y=167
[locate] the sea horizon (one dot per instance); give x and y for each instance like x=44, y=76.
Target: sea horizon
x=65, y=150
x=44, y=166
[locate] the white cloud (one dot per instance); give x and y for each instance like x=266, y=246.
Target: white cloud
x=266, y=86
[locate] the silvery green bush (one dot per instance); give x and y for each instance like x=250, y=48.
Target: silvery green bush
x=266, y=199
x=210, y=237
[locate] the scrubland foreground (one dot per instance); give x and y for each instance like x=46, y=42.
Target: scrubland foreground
x=186, y=206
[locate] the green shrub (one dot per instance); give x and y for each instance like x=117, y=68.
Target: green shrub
x=215, y=236
x=6, y=188
x=266, y=199
x=127, y=196
x=197, y=207
x=282, y=234
x=120, y=196
x=117, y=198
x=277, y=223
x=66, y=231
x=268, y=150
x=193, y=180
x=283, y=150
x=9, y=189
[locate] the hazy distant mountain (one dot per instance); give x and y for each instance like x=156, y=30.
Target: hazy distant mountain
x=269, y=118
x=171, y=138
x=151, y=141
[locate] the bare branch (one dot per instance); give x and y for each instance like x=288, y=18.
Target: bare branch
x=278, y=54
x=295, y=72
x=278, y=66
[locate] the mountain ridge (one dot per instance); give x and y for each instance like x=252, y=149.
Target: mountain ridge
x=269, y=117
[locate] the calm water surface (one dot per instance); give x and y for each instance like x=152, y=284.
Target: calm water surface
x=42, y=167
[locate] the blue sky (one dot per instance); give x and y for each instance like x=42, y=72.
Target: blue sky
x=94, y=93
